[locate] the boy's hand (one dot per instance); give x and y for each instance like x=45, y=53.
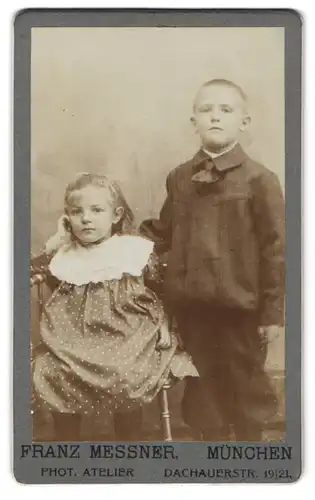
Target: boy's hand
x=269, y=333
x=165, y=340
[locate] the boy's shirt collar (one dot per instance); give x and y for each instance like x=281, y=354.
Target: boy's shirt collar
x=216, y=155
x=231, y=158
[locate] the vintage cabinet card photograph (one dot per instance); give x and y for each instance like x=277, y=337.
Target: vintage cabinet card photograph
x=157, y=159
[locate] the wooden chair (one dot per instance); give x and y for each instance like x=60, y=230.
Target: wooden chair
x=37, y=281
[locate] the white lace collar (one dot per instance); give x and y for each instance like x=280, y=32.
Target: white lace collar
x=109, y=260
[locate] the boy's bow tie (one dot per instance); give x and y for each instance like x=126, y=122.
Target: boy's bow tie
x=207, y=174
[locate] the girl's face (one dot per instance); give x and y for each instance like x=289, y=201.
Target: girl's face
x=91, y=214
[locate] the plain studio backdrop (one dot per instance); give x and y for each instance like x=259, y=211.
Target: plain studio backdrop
x=118, y=101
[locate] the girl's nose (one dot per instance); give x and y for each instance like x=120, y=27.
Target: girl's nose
x=86, y=217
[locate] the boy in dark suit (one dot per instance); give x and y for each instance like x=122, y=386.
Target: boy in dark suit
x=222, y=225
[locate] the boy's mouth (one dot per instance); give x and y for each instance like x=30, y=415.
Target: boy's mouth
x=216, y=128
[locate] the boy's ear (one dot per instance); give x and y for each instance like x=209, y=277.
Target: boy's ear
x=245, y=122
x=119, y=212
x=193, y=122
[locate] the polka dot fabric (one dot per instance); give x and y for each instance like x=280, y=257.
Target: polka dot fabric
x=98, y=349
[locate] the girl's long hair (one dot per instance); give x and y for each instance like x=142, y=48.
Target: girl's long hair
x=117, y=199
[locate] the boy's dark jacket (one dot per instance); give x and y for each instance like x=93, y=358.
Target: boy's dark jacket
x=222, y=224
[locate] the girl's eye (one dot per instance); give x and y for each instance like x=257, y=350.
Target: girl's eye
x=97, y=209
x=75, y=211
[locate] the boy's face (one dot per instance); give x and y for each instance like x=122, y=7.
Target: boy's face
x=219, y=116
x=91, y=215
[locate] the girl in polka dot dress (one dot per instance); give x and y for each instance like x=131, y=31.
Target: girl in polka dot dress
x=104, y=343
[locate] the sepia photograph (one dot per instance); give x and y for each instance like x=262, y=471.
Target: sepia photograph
x=157, y=270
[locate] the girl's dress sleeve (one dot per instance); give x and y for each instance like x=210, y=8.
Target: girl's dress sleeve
x=40, y=277
x=39, y=266
x=40, y=273
x=154, y=279
x=154, y=274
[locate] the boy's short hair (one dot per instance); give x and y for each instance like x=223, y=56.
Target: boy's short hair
x=226, y=83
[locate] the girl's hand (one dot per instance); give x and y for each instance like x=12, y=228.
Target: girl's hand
x=165, y=340
x=61, y=237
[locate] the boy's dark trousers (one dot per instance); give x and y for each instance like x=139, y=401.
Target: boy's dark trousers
x=233, y=388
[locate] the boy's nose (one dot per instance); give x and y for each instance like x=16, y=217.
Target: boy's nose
x=215, y=117
x=215, y=114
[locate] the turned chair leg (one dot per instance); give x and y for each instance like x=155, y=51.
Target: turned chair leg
x=165, y=412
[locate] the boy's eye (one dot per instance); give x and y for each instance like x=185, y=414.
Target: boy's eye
x=205, y=109
x=97, y=209
x=226, y=109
